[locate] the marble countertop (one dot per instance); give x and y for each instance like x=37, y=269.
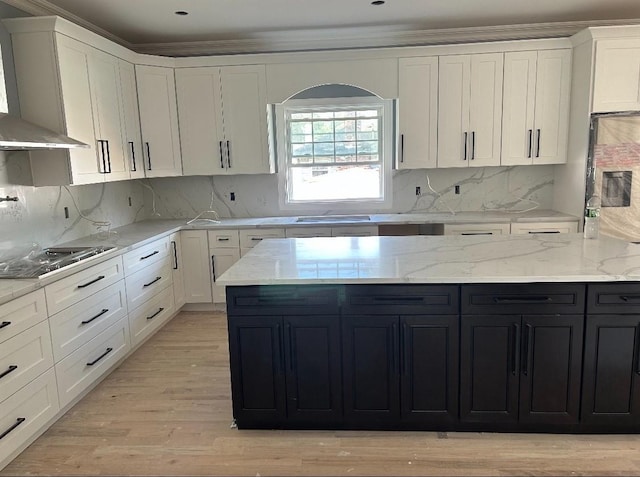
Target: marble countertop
x=135, y=235
x=437, y=259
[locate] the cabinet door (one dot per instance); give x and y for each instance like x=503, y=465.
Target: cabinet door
x=131, y=119
x=177, y=275
x=453, y=110
x=221, y=261
x=550, y=369
x=485, y=110
x=73, y=63
x=314, y=372
x=104, y=73
x=617, y=75
x=371, y=370
x=244, y=106
x=489, y=368
x=611, y=389
x=553, y=84
x=518, y=107
x=159, y=120
x=257, y=370
x=197, y=271
x=429, y=366
x=200, y=115
x=418, y=112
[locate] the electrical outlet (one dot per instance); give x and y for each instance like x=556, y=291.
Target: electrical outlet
x=417, y=191
x=457, y=189
x=66, y=212
x=232, y=196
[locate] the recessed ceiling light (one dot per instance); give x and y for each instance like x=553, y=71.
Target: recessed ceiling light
x=377, y=2
x=182, y=12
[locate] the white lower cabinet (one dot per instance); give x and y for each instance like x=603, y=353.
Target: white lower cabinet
x=177, y=271
x=22, y=313
x=224, y=249
x=150, y=316
x=544, y=228
x=84, y=366
x=477, y=229
x=145, y=283
x=196, y=266
x=24, y=414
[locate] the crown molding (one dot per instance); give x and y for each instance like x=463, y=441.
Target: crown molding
x=330, y=39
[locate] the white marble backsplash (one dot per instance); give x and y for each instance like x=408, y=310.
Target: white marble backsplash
x=38, y=216
x=481, y=189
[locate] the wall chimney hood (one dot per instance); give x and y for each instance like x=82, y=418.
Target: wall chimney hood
x=19, y=135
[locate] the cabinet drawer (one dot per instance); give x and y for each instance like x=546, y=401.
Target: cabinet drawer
x=24, y=357
x=545, y=228
x=144, y=284
x=22, y=313
x=355, y=231
x=306, y=232
x=151, y=315
x=402, y=299
x=75, y=326
x=502, y=298
x=223, y=238
x=141, y=257
x=77, y=371
x=26, y=412
x=279, y=299
x=250, y=238
x=68, y=291
x=477, y=229
x=618, y=298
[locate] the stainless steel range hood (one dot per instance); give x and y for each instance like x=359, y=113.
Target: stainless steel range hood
x=19, y=135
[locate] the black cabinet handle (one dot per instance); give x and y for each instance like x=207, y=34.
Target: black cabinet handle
x=521, y=299
x=9, y=370
x=515, y=345
x=465, y=146
x=473, y=145
x=544, y=232
x=229, y=154
x=133, y=156
x=525, y=349
x=222, y=239
x=221, y=155
x=175, y=254
x=150, y=255
x=108, y=157
x=151, y=282
x=630, y=297
x=4, y=324
x=101, y=277
x=148, y=154
x=103, y=156
x=19, y=421
x=476, y=233
x=538, y=144
x=109, y=350
x=213, y=266
x=86, y=322
x=160, y=310
x=401, y=147
x=256, y=239
x=530, y=148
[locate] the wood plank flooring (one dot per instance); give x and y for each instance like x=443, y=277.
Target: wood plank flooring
x=167, y=411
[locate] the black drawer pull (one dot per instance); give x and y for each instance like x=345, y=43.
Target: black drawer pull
x=4, y=324
x=151, y=282
x=222, y=239
x=86, y=322
x=522, y=299
x=9, y=370
x=150, y=255
x=19, y=421
x=630, y=297
x=399, y=298
x=155, y=314
x=109, y=350
x=101, y=277
x=476, y=233
x=256, y=239
x=544, y=231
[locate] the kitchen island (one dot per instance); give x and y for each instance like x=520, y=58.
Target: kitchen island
x=503, y=333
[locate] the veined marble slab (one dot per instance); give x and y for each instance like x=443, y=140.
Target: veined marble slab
x=437, y=259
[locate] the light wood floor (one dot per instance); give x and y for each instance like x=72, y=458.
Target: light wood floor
x=167, y=411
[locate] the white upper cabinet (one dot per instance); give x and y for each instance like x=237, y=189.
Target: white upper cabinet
x=223, y=120
x=617, y=75
x=159, y=121
x=470, y=110
x=536, y=107
x=418, y=113
x=131, y=120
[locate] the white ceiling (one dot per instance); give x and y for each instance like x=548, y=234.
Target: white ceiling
x=139, y=22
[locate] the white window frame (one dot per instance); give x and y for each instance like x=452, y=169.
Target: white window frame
x=336, y=206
